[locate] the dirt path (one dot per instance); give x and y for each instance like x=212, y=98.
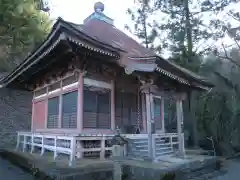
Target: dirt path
x=11, y=172
x=233, y=171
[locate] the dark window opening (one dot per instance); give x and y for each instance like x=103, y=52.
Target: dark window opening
x=126, y=111
x=69, y=110
x=157, y=113
x=53, y=113
x=97, y=108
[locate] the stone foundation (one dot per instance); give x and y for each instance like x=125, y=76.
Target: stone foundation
x=15, y=115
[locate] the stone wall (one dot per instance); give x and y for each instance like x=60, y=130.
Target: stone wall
x=15, y=115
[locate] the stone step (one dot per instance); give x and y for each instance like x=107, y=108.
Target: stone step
x=164, y=149
x=162, y=145
x=164, y=153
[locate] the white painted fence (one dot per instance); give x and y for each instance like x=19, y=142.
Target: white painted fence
x=57, y=143
x=72, y=144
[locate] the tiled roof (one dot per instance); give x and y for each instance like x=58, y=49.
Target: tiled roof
x=109, y=34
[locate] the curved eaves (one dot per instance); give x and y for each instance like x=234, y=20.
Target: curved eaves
x=56, y=35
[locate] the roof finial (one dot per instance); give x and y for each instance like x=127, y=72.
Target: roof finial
x=99, y=7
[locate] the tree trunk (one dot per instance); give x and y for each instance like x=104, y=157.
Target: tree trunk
x=188, y=30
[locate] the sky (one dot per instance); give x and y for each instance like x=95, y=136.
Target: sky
x=77, y=10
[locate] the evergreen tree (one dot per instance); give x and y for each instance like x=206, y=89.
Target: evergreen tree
x=22, y=26
x=144, y=29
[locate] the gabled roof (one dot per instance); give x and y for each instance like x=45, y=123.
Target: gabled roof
x=103, y=37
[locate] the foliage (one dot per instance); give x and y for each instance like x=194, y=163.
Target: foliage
x=218, y=111
x=144, y=28
x=22, y=26
x=184, y=23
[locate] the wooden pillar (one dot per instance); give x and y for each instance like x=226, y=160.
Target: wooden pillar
x=102, y=152
x=144, y=113
x=55, y=148
x=18, y=141
x=180, y=126
x=80, y=103
x=73, y=151
x=162, y=115
x=32, y=125
x=46, y=109
x=113, y=106
x=60, y=111
x=60, y=106
x=42, y=146
x=24, y=143
x=149, y=123
x=117, y=172
x=32, y=144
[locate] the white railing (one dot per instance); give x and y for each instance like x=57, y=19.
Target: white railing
x=171, y=139
x=71, y=145
x=75, y=145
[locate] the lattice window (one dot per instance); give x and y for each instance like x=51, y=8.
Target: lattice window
x=69, y=110
x=157, y=113
x=96, y=108
x=126, y=114
x=40, y=92
x=170, y=115
x=53, y=112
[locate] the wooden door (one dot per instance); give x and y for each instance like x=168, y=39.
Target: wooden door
x=157, y=113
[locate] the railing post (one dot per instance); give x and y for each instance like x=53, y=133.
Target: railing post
x=125, y=150
x=79, y=149
x=42, y=150
x=55, y=148
x=73, y=150
x=170, y=140
x=102, y=153
x=32, y=143
x=154, y=147
x=18, y=141
x=24, y=142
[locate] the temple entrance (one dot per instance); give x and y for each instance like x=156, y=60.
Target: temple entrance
x=158, y=114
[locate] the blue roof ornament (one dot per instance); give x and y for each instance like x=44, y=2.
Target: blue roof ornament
x=99, y=7
x=98, y=14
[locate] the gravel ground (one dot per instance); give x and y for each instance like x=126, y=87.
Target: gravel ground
x=233, y=171
x=11, y=172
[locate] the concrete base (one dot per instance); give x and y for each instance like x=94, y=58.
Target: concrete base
x=59, y=167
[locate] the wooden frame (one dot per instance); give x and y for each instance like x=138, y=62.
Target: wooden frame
x=162, y=112
x=79, y=87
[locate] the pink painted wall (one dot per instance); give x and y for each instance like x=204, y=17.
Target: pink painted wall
x=39, y=115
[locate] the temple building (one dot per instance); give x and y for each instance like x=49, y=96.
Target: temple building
x=89, y=80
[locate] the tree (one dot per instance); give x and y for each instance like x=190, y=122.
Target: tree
x=188, y=31
x=22, y=26
x=218, y=111
x=144, y=29
x=191, y=24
